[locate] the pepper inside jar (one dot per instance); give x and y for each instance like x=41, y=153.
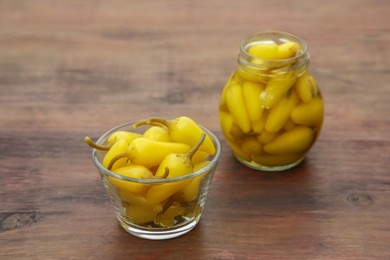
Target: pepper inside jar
x=271, y=108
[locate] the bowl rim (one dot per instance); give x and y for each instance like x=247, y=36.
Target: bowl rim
x=209, y=168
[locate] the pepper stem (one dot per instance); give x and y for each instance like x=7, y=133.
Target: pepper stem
x=116, y=158
x=166, y=172
x=152, y=121
x=91, y=143
x=195, y=148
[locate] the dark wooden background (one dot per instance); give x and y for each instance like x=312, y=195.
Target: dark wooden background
x=74, y=68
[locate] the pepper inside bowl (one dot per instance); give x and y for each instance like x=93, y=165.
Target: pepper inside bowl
x=157, y=174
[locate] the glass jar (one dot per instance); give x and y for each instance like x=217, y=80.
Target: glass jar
x=271, y=108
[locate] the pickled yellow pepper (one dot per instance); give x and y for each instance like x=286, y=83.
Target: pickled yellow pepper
x=176, y=164
x=158, y=133
x=117, y=148
x=149, y=153
x=112, y=139
x=131, y=171
x=183, y=130
x=179, y=164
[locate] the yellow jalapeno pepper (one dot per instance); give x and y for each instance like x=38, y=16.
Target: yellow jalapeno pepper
x=117, y=148
x=112, y=139
x=176, y=165
x=149, y=153
x=131, y=171
x=140, y=215
x=118, y=135
x=167, y=218
x=191, y=191
x=158, y=133
x=183, y=130
x=138, y=200
x=179, y=164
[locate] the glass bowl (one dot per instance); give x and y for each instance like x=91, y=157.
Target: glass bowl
x=174, y=213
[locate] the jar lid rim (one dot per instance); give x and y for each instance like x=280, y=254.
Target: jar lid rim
x=272, y=35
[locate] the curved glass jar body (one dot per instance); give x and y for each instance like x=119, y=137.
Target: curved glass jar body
x=271, y=108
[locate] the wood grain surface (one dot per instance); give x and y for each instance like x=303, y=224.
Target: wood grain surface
x=75, y=68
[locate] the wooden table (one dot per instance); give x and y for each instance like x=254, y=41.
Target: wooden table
x=74, y=68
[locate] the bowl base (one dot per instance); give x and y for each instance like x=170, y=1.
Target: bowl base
x=159, y=233
x=265, y=168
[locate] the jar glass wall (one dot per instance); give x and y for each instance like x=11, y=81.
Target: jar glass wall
x=271, y=108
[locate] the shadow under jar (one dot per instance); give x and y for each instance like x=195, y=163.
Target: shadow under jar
x=271, y=108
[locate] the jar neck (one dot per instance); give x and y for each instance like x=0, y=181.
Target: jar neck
x=253, y=64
